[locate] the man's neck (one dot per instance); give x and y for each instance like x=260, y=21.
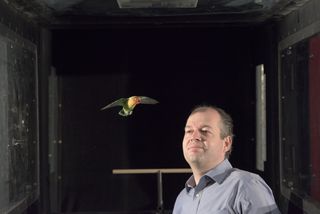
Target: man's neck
x=199, y=171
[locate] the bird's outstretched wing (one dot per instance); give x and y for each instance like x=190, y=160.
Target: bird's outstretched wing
x=119, y=102
x=147, y=100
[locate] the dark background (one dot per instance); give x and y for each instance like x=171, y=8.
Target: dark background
x=181, y=68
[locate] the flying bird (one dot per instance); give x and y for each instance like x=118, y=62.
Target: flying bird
x=128, y=104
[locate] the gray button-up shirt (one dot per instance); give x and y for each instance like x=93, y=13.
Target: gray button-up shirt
x=225, y=189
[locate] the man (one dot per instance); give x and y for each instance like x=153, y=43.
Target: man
x=216, y=187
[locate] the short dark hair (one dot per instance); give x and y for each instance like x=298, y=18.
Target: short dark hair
x=226, y=125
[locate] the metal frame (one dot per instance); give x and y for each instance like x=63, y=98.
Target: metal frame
x=304, y=33
x=9, y=36
x=261, y=124
x=159, y=172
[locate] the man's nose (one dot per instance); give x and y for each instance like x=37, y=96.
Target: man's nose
x=196, y=135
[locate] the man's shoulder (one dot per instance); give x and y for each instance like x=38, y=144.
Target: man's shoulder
x=248, y=182
x=244, y=177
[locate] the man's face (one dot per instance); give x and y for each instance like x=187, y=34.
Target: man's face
x=202, y=146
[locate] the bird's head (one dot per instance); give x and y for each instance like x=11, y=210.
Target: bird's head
x=133, y=101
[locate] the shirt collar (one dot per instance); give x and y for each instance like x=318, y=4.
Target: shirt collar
x=217, y=174
x=220, y=172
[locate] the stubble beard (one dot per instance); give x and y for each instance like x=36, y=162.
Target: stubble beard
x=195, y=159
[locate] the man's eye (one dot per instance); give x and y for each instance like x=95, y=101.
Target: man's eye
x=204, y=131
x=188, y=131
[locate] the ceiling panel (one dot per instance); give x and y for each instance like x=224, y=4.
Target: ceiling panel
x=70, y=12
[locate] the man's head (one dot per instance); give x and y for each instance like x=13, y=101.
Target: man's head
x=208, y=137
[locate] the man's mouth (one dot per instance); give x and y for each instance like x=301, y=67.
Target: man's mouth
x=194, y=148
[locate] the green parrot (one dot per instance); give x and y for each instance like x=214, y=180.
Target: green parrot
x=128, y=104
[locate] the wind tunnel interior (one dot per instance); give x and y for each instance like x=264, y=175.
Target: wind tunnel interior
x=180, y=67
x=58, y=149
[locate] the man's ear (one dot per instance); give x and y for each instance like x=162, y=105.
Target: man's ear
x=227, y=143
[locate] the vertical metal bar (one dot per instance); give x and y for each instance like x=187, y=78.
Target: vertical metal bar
x=160, y=193
x=4, y=137
x=53, y=148
x=261, y=134
x=314, y=115
x=44, y=71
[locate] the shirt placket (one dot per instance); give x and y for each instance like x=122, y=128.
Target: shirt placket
x=198, y=191
x=197, y=199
